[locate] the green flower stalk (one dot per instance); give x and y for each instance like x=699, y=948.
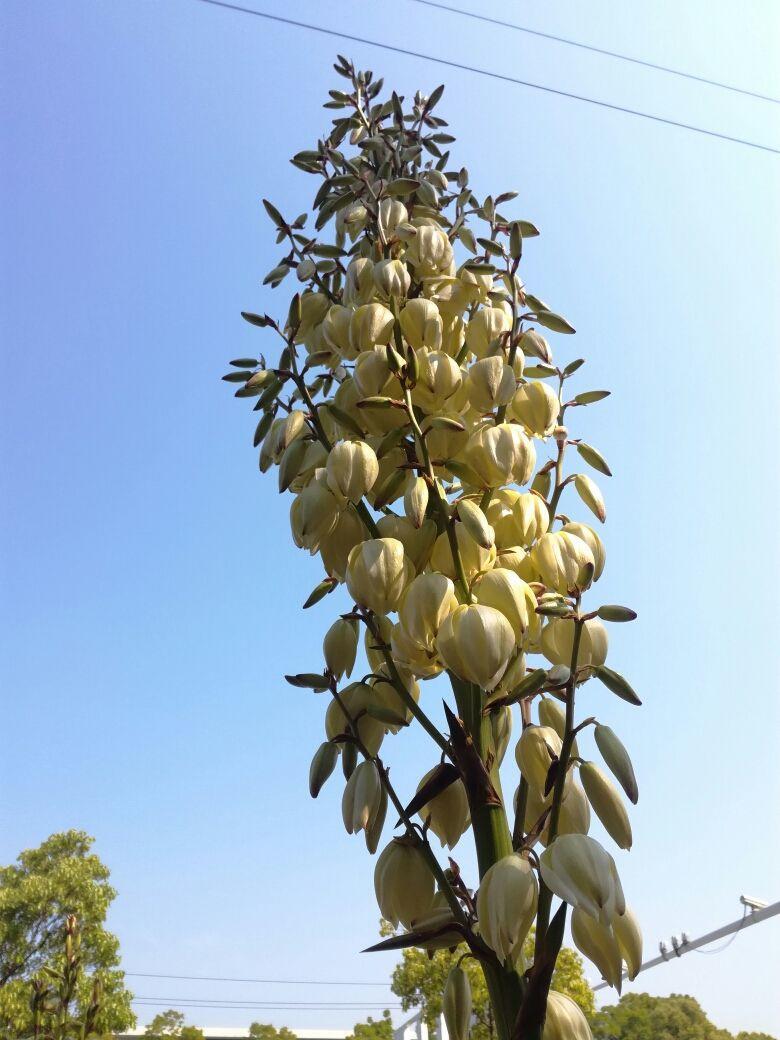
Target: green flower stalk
x=418, y=420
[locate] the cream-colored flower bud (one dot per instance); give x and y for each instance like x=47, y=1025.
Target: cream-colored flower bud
x=453, y=334
x=506, y=905
x=629, y=937
x=391, y=279
x=362, y=798
x=456, y=1004
x=533, y=344
x=352, y=469
x=416, y=500
x=591, y=495
x=474, y=520
x=392, y=212
x=372, y=372
x=536, y=406
x=574, y=815
x=563, y=560
x=314, y=307
x=352, y=219
x=506, y=592
x=490, y=383
x=356, y=698
x=617, y=759
x=418, y=542
x=474, y=558
x=378, y=572
x=607, y=804
x=476, y=643
x=429, y=252
x=313, y=515
x=359, y=282
x=535, y=751
x=294, y=427
x=592, y=540
x=340, y=647
x=553, y=714
x=577, y=869
x=306, y=269
x=322, y=765
x=564, y=1021
x=410, y=655
x=439, y=379
x=500, y=514
x=427, y=602
x=447, y=813
x=486, y=325
x=421, y=324
x=532, y=516
x=500, y=455
x=371, y=326
x=558, y=643
x=597, y=942
x=336, y=546
x=478, y=284
x=501, y=730
x=335, y=329
x=387, y=695
x=517, y=559
x=403, y=883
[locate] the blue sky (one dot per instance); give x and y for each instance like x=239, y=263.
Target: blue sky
x=151, y=594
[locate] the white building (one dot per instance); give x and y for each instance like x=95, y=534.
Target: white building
x=414, y=1029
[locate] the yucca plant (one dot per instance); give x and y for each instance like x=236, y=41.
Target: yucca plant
x=419, y=421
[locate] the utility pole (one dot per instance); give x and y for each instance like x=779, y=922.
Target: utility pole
x=756, y=911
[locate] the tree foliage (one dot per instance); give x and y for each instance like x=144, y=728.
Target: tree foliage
x=640, y=1016
x=264, y=1031
x=374, y=1029
x=171, y=1023
x=38, y=893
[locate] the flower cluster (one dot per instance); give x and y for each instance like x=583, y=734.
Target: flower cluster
x=418, y=419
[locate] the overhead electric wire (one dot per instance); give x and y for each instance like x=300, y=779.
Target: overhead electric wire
x=597, y=50
x=269, y=982
x=486, y=72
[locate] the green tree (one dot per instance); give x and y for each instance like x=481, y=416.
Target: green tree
x=753, y=1036
x=263, y=1031
x=38, y=893
x=638, y=1016
x=419, y=981
x=373, y=1029
x=171, y=1023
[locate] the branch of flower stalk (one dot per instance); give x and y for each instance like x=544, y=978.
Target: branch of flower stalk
x=522, y=793
x=384, y=777
x=401, y=689
x=545, y=895
x=441, y=502
x=560, y=483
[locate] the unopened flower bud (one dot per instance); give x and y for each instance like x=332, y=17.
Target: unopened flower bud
x=392, y=212
x=558, y=642
x=340, y=647
x=577, y=869
x=475, y=522
x=617, y=759
x=387, y=695
x=629, y=937
x=378, y=572
x=484, y=327
x=447, y=813
x=474, y=558
x=506, y=592
x=500, y=731
x=352, y=469
x=306, y=269
x=591, y=495
x=476, y=643
x=314, y=307
x=359, y=282
x=438, y=380
x=335, y=329
x=372, y=373
x=371, y=326
x=356, y=698
x=506, y=905
x=418, y=542
x=607, y=804
x=429, y=252
x=313, y=515
x=535, y=751
x=391, y=279
x=552, y=714
x=592, y=540
x=427, y=602
x=597, y=942
x=416, y=500
x=563, y=561
x=532, y=518
x=456, y=1004
x=336, y=546
x=322, y=765
x=536, y=406
x=500, y=454
x=564, y=1020
x=490, y=382
x=403, y=883
x=421, y=324
x=362, y=798
x=535, y=345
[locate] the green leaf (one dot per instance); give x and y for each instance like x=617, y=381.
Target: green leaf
x=320, y=591
x=308, y=681
x=616, y=684
x=594, y=458
x=591, y=396
x=612, y=612
x=276, y=274
x=555, y=322
x=274, y=213
x=402, y=186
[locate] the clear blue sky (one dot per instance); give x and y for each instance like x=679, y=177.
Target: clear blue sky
x=151, y=593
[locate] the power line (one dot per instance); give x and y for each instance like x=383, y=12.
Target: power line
x=269, y=982
x=597, y=50
x=492, y=75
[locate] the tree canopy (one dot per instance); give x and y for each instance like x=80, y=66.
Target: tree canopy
x=38, y=893
x=171, y=1024
x=639, y=1016
x=263, y=1031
